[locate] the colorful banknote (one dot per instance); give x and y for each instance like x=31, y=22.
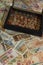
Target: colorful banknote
x=8, y=56
x=35, y=5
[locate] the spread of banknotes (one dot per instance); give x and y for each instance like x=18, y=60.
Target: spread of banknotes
x=19, y=48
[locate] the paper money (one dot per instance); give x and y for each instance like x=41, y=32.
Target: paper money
x=33, y=4
x=7, y=39
x=26, y=48
x=20, y=4
x=33, y=43
x=2, y=8
x=1, y=49
x=21, y=47
x=8, y=56
x=18, y=37
x=7, y=2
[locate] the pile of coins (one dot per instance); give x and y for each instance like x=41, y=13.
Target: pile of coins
x=24, y=20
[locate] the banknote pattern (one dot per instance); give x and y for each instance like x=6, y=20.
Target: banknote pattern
x=35, y=5
x=2, y=7
x=24, y=50
x=19, y=48
x=20, y=4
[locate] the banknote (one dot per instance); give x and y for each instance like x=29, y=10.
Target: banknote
x=8, y=56
x=36, y=50
x=27, y=54
x=7, y=39
x=20, y=4
x=4, y=47
x=21, y=47
x=14, y=61
x=33, y=43
x=4, y=35
x=1, y=49
x=2, y=8
x=40, y=3
x=7, y=2
x=34, y=59
x=18, y=37
x=38, y=57
x=33, y=4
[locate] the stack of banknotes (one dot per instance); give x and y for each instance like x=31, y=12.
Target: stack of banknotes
x=19, y=48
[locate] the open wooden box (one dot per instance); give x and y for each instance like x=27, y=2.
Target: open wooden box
x=24, y=21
